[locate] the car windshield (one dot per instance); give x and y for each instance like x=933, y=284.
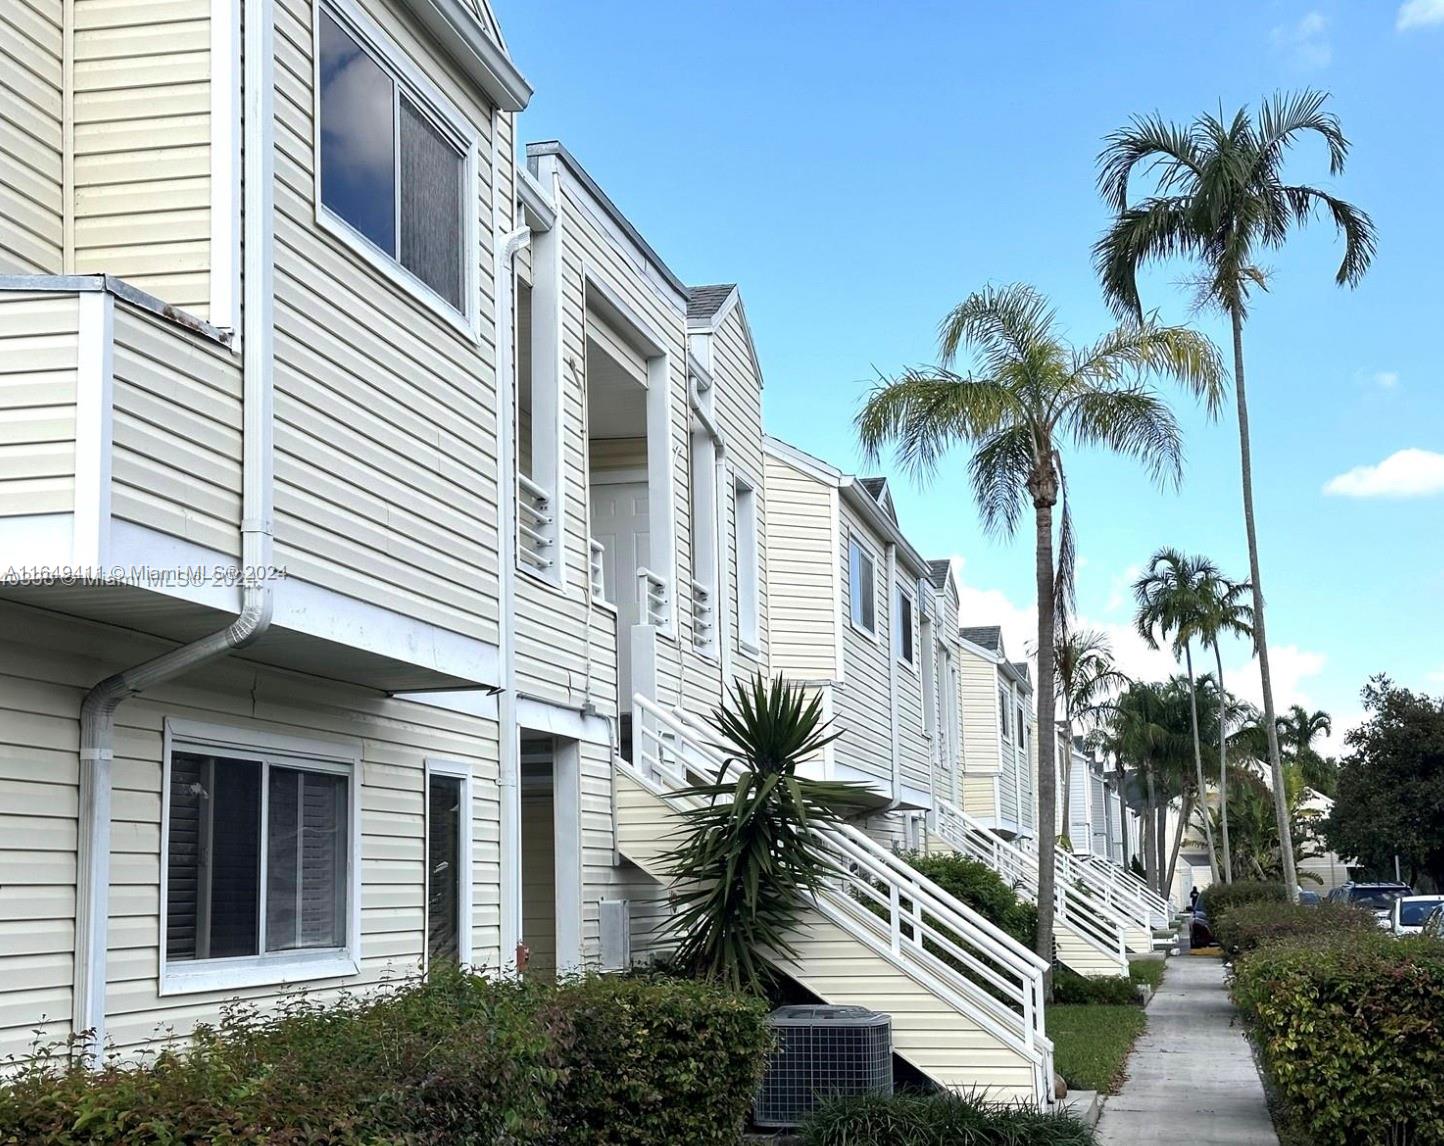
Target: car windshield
x=1376, y=897
x=1414, y=914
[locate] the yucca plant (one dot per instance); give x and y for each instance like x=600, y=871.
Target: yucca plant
x=750, y=859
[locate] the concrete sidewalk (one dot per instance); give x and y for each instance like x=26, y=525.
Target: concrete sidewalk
x=1191, y=1077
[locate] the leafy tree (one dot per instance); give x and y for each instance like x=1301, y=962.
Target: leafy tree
x=1220, y=199
x=1173, y=602
x=1030, y=395
x=1087, y=680
x=750, y=859
x=1391, y=784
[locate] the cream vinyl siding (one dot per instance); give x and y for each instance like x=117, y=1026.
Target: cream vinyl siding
x=980, y=796
x=802, y=582
x=31, y=191
x=385, y=433
x=861, y=706
x=142, y=145
x=982, y=751
x=551, y=654
x=176, y=464
x=738, y=406
x=38, y=347
x=38, y=707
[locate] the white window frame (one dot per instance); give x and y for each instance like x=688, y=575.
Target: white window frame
x=856, y=549
x=703, y=498
x=333, y=757
x=447, y=119
x=908, y=639
x=457, y=770
x=1005, y=705
x=749, y=566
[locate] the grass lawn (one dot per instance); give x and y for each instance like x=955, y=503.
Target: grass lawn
x=1091, y=1043
x=1148, y=971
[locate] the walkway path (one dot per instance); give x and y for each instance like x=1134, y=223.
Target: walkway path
x=1191, y=1077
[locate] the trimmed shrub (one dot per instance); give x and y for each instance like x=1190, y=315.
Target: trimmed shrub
x=1351, y=1033
x=1251, y=925
x=455, y=1059
x=654, y=1061
x=1218, y=899
x=982, y=889
x=937, y=1120
x=1110, y=990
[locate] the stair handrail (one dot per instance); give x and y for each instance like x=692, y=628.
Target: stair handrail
x=1095, y=919
x=1106, y=870
x=908, y=897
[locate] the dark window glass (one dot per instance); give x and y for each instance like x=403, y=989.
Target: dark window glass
x=446, y=820
x=431, y=174
x=358, y=137
x=905, y=626
x=306, y=860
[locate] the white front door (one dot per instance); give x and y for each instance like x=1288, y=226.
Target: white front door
x=619, y=522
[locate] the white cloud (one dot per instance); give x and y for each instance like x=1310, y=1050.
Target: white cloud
x=1407, y=473
x=1305, y=43
x=1419, y=14
x=1120, y=590
x=1385, y=379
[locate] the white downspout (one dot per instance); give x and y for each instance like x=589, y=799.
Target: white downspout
x=97, y=710
x=509, y=761
x=894, y=717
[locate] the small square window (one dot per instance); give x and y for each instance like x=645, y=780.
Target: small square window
x=861, y=588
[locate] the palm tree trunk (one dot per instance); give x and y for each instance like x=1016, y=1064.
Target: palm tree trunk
x=1223, y=767
x=1276, y=768
x=1047, y=740
x=1160, y=841
x=1178, y=838
x=1122, y=817
x=1067, y=832
x=1150, y=832
x=1197, y=767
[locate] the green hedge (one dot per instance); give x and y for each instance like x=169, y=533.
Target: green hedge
x=1351, y=1033
x=1219, y=899
x=456, y=1059
x=937, y=1120
x=1107, y=990
x=1250, y=925
x=982, y=889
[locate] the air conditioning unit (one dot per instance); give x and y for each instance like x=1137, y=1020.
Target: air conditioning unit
x=823, y=1052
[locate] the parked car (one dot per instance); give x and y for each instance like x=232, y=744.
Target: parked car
x=1408, y=913
x=1308, y=898
x=1434, y=926
x=1377, y=897
x=1200, y=934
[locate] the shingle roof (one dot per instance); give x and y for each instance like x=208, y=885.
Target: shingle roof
x=705, y=301
x=988, y=636
x=873, y=486
x=1021, y=668
x=938, y=573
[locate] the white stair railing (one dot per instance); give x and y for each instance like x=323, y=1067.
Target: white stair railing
x=652, y=596
x=1075, y=903
x=1134, y=898
x=876, y=897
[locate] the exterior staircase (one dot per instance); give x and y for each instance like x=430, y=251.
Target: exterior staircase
x=1091, y=935
x=877, y=936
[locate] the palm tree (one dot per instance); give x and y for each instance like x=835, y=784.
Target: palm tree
x=1086, y=680
x=1220, y=198
x=1137, y=734
x=1171, y=600
x=1299, y=728
x=1031, y=394
x=1225, y=614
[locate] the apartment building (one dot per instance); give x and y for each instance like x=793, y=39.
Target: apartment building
x=1000, y=749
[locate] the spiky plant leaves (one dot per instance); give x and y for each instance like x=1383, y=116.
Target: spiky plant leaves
x=749, y=860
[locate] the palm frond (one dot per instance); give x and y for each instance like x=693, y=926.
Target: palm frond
x=1360, y=238
x=998, y=471
x=1135, y=351
x=924, y=413
x=1004, y=325
x=1134, y=422
x=1284, y=116
x=1155, y=230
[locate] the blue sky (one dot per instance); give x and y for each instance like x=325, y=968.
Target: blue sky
x=859, y=168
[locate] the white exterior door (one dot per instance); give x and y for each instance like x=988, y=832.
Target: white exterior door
x=619, y=522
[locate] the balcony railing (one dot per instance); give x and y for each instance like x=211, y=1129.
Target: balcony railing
x=704, y=612
x=535, y=525
x=652, y=597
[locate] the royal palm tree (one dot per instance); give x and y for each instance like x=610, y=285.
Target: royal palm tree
x=1087, y=680
x=1029, y=395
x=1298, y=729
x=1137, y=735
x=1220, y=198
x=1226, y=613
x=1173, y=605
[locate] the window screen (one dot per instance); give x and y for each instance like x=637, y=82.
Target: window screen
x=431, y=236
x=444, y=826
x=860, y=584
x=903, y=627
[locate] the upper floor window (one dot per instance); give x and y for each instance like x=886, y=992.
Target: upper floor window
x=1022, y=728
x=749, y=571
x=392, y=170
x=903, y=626
x=1004, y=706
x=860, y=581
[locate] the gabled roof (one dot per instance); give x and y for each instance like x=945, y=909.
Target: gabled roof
x=471, y=35
x=487, y=19
x=878, y=489
x=989, y=637
x=939, y=572
x=706, y=301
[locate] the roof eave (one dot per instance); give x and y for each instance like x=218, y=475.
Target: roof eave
x=457, y=29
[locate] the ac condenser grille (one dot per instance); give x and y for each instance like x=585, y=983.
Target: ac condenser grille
x=823, y=1052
